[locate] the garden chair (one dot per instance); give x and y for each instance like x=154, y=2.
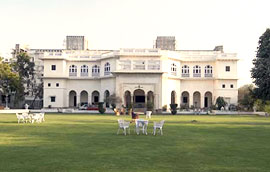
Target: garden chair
x=148, y=114
x=27, y=117
x=36, y=117
x=124, y=125
x=158, y=125
x=20, y=118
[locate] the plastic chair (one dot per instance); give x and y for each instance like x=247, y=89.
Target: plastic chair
x=158, y=125
x=123, y=125
x=20, y=117
x=148, y=114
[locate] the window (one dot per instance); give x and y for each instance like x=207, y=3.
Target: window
x=185, y=99
x=57, y=84
x=84, y=70
x=173, y=69
x=72, y=70
x=185, y=71
x=49, y=84
x=53, y=99
x=228, y=69
x=231, y=85
x=197, y=71
x=208, y=71
x=53, y=67
x=223, y=85
x=107, y=69
x=95, y=70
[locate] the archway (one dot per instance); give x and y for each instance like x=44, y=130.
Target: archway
x=95, y=97
x=173, y=97
x=197, y=99
x=127, y=98
x=139, y=98
x=106, y=98
x=185, y=98
x=208, y=99
x=72, y=99
x=84, y=97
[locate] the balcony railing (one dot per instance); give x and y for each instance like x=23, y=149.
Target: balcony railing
x=84, y=74
x=208, y=75
x=106, y=73
x=95, y=74
x=186, y=75
x=196, y=75
x=72, y=73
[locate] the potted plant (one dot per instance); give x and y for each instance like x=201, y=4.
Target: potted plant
x=173, y=108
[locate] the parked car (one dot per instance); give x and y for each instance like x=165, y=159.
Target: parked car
x=83, y=107
x=92, y=107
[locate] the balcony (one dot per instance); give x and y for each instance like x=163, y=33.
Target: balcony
x=196, y=75
x=72, y=73
x=208, y=75
x=95, y=74
x=106, y=73
x=185, y=75
x=84, y=74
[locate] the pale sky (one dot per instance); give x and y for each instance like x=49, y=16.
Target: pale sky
x=114, y=24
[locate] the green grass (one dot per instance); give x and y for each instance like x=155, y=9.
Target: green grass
x=89, y=143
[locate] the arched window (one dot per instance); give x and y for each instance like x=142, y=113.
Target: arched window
x=185, y=71
x=208, y=71
x=84, y=70
x=107, y=69
x=197, y=71
x=95, y=70
x=72, y=70
x=173, y=69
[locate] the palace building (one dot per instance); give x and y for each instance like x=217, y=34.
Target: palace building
x=138, y=76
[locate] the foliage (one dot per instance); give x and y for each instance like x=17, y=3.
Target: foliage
x=9, y=81
x=101, y=108
x=220, y=102
x=173, y=108
x=261, y=70
x=246, y=97
x=114, y=100
x=184, y=106
x=259, y=105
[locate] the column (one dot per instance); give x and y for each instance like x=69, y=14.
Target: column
x=78, y=100
x=191, y=100
x=202, y=100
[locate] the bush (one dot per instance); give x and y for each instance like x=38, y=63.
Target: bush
x=258, y=105
x=173, y=108
x=221, y=102
x=101, y=109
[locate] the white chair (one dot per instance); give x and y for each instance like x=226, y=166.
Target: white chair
x=36, y=117
x=123, y=125
x=148, y=114
x=158, y=125
x=20, y=118
x=27, y=117
x=141, y=125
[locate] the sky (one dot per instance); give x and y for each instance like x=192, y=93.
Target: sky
x=114, y=24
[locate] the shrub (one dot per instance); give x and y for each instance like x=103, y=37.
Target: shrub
x=101, y=109
x=173, y=108
x=220, y=102
x=258, y=104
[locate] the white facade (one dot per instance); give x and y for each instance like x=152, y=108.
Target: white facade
x=139, y=76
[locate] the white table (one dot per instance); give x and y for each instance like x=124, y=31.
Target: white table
x=141, y=124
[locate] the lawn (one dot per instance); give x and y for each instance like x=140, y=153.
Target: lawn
x=81, y=142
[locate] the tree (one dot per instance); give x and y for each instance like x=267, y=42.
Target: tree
x=25, y=68
x=261, y=70
x=246, y=97
x=220, y=102
x=9, y=80
x=114, y=100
